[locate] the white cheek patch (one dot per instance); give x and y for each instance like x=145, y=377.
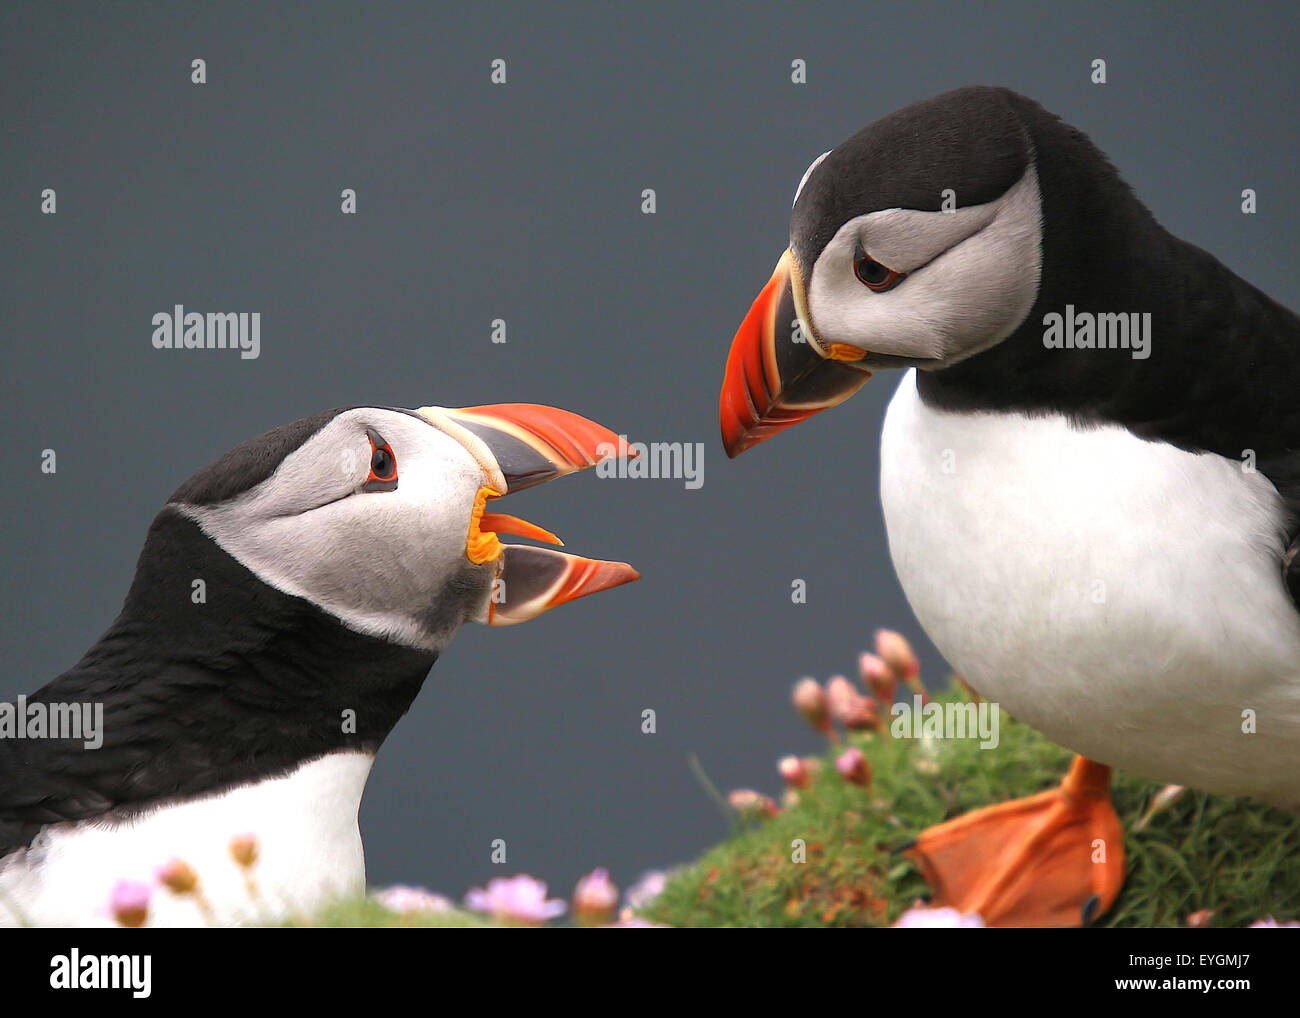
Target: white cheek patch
x=905, y=239
x=329, y=465
x=377, y=561
x=972, y=277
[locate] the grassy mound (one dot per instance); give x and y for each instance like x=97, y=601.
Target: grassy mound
x=1236, y=857
x=351, y=913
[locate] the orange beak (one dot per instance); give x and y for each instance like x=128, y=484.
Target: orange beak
x=535, y=580
x=777, y=375
x=520, y=445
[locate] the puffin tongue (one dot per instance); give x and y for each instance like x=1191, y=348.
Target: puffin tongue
x=504, y=523
x=535, y=580
x=519, y=445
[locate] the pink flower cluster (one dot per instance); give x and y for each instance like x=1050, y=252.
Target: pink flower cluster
x=921, y=917
x=520, y=900
x=523, y=900
x=129, y=900
x=841, y=703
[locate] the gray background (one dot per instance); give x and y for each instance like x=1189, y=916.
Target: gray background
x=522, y=202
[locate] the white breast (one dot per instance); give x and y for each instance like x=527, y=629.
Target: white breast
x=1123, y=597
x=305, y=824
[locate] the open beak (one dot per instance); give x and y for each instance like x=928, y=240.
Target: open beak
x=519, y=445
x=778, y=373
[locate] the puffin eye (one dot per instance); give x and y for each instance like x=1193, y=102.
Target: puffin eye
x=383, y=464
x=874, y=275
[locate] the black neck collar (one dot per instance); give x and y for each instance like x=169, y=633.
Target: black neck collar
x=1224, y=356
x=200, y=697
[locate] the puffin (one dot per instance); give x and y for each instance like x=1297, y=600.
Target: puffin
x=287, y=605
x=1089, y=469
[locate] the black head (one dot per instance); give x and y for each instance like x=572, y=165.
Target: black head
x=937, y=238
x=969, y=143
x=291, y=597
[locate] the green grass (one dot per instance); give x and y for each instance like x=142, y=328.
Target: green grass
x=359, y=912
x=1235, y=856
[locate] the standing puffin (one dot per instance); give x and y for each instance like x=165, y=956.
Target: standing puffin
x=286, y=607
x=1092, y=513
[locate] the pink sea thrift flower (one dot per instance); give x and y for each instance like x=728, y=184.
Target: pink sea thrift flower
x=877, y=676
x=1269, y=923
x=854, y=767
x=243, y=849
x=863, y=715
x=896, y=652
x=177, y=876
x=795, y=771
x=647, y=888
x=751, y=804
x=840, y=694
x=521, y=900
x=848, y=707
x=129, y=902
x=919, y=917
x=595, y=898
x=406, y=900
x=809, y=699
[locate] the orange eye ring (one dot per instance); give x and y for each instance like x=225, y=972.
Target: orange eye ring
x=383, y=465
x=876, y=276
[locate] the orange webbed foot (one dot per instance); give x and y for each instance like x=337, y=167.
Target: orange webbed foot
x=1052, y=859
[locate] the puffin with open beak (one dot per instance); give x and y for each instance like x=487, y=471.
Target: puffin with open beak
x=288, y=603
x=1090, y=469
